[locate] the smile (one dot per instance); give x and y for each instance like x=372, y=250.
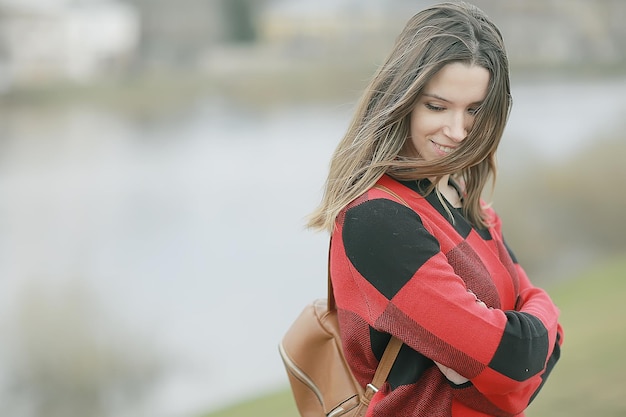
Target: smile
x=444, y=149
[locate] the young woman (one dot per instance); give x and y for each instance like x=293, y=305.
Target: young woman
x=415, y=252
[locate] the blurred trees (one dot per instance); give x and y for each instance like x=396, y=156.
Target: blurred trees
x=200, y=36
x=239, y=17
x=173, y=32
x=564, y=35
x=178, y=33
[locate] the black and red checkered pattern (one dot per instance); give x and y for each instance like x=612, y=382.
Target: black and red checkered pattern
x=415, y=272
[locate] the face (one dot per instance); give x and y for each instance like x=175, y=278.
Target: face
x=445, y=112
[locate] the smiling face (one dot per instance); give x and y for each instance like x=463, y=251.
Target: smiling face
x=446, y=109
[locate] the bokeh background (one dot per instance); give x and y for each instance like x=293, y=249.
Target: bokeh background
x=158, y=158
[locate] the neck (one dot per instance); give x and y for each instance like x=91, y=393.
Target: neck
x=443, y=183
x=449, y=192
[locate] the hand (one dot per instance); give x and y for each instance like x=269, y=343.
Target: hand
x=452, y=375
x=478, y=301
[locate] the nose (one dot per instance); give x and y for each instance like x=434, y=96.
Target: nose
x=456, y=127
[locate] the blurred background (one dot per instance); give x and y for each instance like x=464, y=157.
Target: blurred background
x=158, y=158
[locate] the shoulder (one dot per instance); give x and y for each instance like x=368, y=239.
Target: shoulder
x=383, y=210
x=378, y=217
x=386, y=242
x=386, y=227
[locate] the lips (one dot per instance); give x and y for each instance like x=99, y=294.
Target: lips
x=443, y=149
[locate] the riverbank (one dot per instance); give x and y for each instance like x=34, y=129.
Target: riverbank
x=159, y=92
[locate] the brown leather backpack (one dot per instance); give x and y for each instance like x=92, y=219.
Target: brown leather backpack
x=321, y=381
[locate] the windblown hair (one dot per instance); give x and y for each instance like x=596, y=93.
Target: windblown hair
x=374, y=143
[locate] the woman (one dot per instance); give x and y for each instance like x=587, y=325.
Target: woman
x=415, y=253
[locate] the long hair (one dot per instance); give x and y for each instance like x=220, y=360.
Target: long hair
x=374, y=142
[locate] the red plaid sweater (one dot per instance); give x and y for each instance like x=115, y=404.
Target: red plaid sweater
x=411, y=272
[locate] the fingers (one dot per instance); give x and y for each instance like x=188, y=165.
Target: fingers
x=478, y=301
x=451, y=374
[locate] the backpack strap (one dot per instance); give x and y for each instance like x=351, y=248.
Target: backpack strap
x=394, y=345
x=384, y=366
x=388, y=358
x=331, y=295
x=392, y=193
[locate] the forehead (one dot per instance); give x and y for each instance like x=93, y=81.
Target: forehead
x=459, y=83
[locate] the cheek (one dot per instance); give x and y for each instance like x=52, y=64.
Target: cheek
x=422, y=125
x=415, y=123
x=414, y=133
x=414, y=146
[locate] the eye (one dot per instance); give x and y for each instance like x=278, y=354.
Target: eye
x=473, y=110
x=434, y=107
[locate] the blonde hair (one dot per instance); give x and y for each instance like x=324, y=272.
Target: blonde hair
x=374, y=142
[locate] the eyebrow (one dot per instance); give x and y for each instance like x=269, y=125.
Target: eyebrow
x=435, y=96
x=438, y=97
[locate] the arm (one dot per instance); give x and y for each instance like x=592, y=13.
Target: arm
x=475, y=398
x=538, y=310
x=534, y=313
x=411, y=291
x=527, y=296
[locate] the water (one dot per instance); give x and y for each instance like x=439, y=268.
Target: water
x=190, y=229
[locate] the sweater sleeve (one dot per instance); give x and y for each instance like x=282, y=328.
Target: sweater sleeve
x=531, y=299
x=412, y=292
